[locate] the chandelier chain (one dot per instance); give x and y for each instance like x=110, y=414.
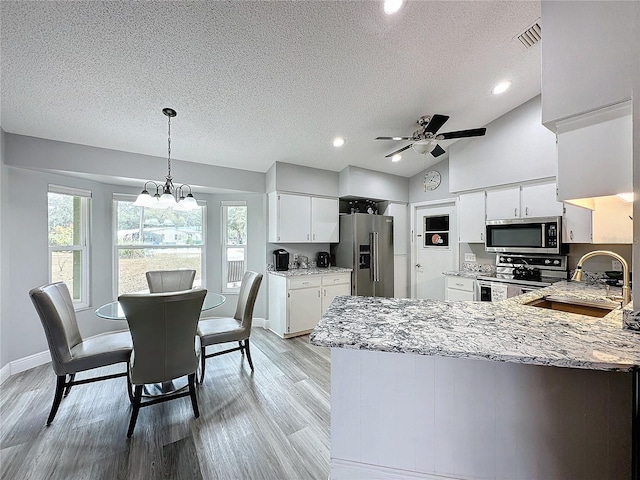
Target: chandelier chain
x=169, y=150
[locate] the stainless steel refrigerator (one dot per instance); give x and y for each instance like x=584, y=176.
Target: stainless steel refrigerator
x=366, y=245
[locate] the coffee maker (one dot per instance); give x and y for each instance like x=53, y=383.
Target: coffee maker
x=281, y=260
x=323, y=260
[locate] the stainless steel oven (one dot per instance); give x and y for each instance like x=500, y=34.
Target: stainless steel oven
x=525, y=235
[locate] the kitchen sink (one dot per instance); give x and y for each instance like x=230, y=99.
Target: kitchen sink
x=571, y=305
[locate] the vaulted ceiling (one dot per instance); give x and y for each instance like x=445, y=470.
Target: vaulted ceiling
x=258, y=82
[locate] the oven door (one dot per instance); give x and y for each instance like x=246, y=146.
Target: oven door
x=532, y=235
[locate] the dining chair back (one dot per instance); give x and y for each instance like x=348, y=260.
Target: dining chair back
x=165, y=345
x=170, y=280
x=214, y=331
x=70, y=353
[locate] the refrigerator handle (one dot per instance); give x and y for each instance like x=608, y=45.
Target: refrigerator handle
x=375, y=266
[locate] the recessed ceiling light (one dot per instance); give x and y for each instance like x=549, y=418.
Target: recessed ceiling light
x=396, y=158
x=501, y=88
x=338, y=141
x=392, y=6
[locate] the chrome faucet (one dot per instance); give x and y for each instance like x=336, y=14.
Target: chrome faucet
x=626, y=290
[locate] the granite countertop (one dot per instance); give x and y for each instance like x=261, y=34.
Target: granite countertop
x=507, y=331
x=310, y=271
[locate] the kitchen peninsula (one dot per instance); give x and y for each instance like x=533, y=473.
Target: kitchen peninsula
x=412, y=392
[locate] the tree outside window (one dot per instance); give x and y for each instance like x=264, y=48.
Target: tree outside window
x=234, y=239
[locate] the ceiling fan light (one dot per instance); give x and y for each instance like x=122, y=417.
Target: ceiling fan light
x=424, y=146
x=501, y=88
x=392, y=6
x=396, y=158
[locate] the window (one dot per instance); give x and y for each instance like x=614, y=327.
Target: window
x=68, y=223
x=155, y=239
x=234, y=245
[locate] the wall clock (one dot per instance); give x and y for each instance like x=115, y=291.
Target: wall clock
x=432, y=180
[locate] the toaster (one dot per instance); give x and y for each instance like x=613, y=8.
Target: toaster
x=323, y=260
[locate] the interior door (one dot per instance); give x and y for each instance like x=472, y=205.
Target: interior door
x=435, y=249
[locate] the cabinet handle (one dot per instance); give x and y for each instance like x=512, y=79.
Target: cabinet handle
x=314, y=236
x=526, y=211
x=459, y=284
x=515, y=212
x=571, y=235
x=307, y=236
x=481, y=236
x=305, y=283
x=318, y=293
x=325, y=292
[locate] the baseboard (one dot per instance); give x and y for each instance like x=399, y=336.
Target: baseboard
x=346, y=470
x=24, y=363
x=5, y=372
x=261, y=322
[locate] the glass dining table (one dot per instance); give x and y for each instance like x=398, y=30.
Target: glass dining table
x=113, y=311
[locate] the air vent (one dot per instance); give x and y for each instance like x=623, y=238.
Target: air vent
x=530, y=36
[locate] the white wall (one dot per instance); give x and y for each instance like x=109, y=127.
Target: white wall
x=288, y=177
x=4, y=359
x=416, y=184
x=363, y=183
x=588, y=55
x=516, y=148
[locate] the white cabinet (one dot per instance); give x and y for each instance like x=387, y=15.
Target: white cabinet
x=297, y=303
x=471, y=217
x=460, y=288
x=576, y=224
x=334, y=285
x=302, y=219
x=612, y=220
x=540, y=201
x=595, y=155
x=523, y=202
x=324, y=220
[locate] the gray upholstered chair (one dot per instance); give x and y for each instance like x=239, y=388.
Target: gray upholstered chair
x=70, y=353
x=213, y=331
x=170, y=280
x=165, y=345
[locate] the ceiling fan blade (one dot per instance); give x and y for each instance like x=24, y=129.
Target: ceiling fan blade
x=474, y=132
x=436, y=122
x=436, y=152
x=398, y=151
x=394, y=138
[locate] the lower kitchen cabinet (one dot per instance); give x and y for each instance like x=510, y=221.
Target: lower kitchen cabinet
x=296, y=303
x=460, y=288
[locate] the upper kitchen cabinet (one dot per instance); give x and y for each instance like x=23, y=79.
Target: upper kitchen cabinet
x=523, y=202
x=589, y=56
x=324, y=220
x=302, y=219
x=595, y=155
x=471, y=217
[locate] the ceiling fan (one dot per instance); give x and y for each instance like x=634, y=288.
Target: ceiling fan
x=424, y=140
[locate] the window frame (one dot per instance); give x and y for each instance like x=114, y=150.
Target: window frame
x=84, y=247
x=223, y=242
x=119, y=197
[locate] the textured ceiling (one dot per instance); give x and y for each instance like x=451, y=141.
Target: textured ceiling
x=258, y=82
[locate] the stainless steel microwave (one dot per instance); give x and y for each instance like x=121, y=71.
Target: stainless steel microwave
x=524, y=235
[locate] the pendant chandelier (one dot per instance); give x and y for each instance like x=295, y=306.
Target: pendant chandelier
x=167, y=195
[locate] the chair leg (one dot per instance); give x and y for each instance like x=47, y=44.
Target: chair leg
x=136, y=408
x=246, y=347
x=241, y=347
x=129, y=387
x=72, y=377
x=202, y=364
x=192, y=394
x=57, y=398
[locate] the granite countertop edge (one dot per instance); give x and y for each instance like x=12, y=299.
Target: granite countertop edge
x=507, y=331
x=296, y=272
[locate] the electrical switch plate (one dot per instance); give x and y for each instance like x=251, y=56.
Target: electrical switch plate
x=469, y=257
x=616, y=265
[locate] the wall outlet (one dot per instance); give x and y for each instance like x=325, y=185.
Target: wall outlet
x=469, y=257
x=616, y=265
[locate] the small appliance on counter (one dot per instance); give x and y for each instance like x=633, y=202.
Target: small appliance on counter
x=323, y=260
x=281, y=260
x=303, y=261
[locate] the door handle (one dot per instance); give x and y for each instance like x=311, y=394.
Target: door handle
x=418, y=265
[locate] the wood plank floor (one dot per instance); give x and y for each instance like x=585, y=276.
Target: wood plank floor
x=272, y=424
